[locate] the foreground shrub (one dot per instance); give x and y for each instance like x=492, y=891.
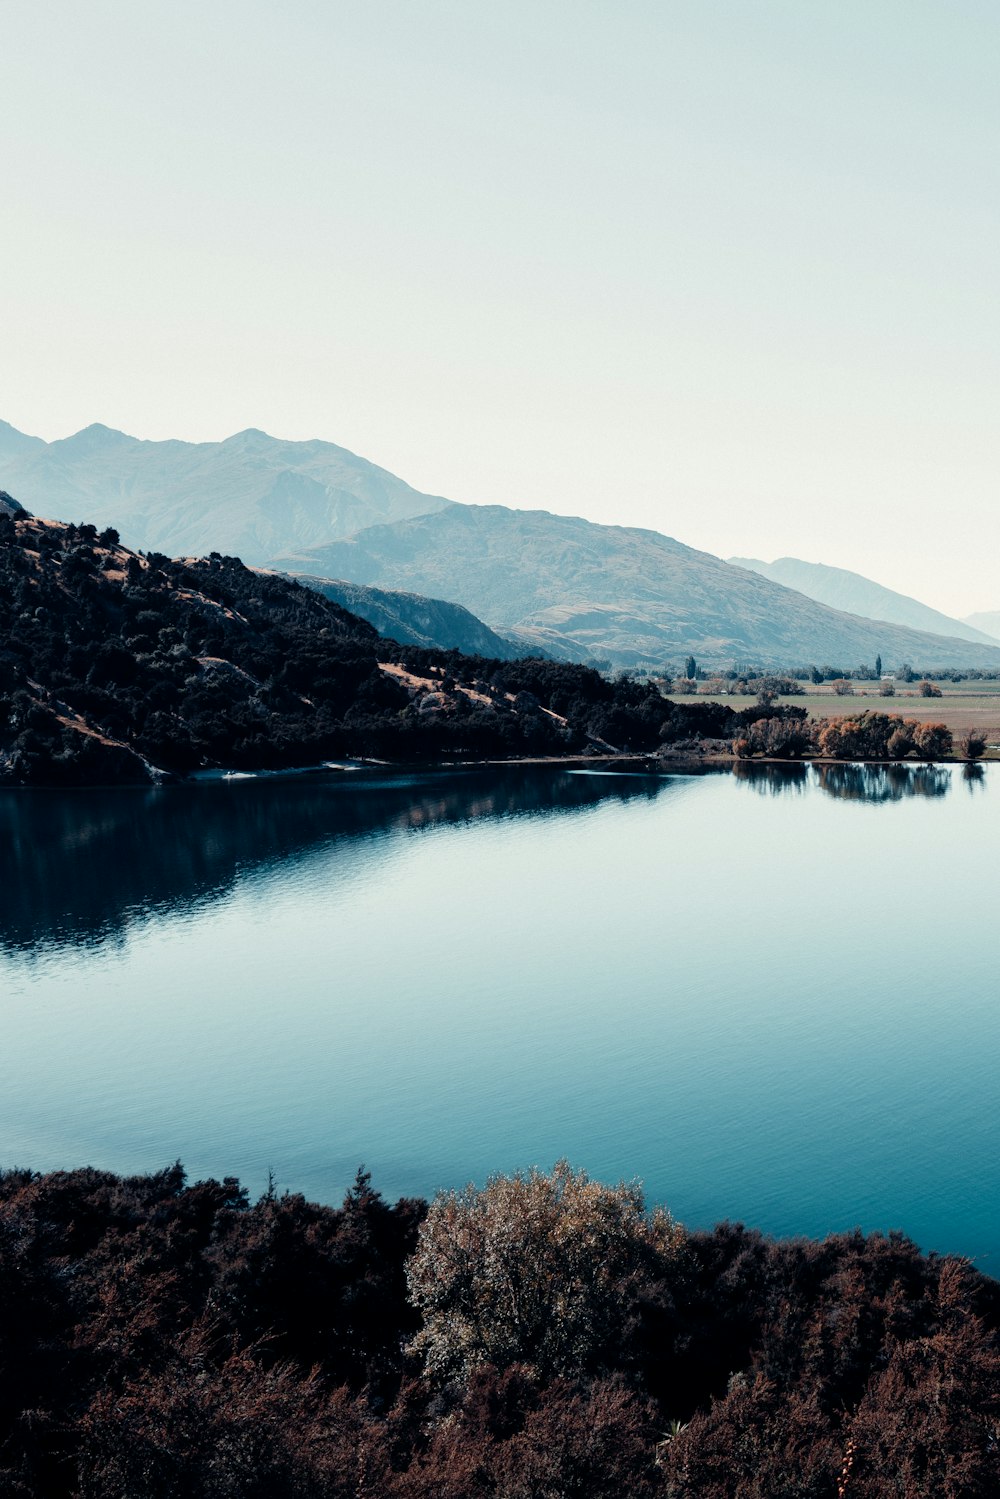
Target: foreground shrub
x=166, y=1341
x=534, y=1269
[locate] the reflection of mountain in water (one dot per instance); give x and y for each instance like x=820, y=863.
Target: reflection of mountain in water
x=849, y=782
x=80, y=869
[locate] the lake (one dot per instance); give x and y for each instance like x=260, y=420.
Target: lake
x=771, y=995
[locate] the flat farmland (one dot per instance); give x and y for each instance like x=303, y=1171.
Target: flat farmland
x=962, y=706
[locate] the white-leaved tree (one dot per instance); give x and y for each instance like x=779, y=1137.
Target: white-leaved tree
x=535, y=1268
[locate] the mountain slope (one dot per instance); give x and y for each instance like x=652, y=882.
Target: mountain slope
x=859, y=595
x=119, y=668
x=249, y=496
x=9, y=506
x=988, y=623
x=414, y=620
x=632, y=596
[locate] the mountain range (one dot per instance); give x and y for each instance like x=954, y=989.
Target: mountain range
x=250, y=496
x=855, y=594
x=988, y=623
x=578, y=591
x=615, y=593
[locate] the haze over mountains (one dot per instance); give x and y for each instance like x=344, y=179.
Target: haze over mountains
x=630, y=596
x=250, y=496
x=855, y=594
x=577, y=590
x=988, y=622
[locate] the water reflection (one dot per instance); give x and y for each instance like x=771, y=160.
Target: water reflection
x=80, y=869
x=876, y=784
x=883, y=783
x=772, y=780
x=973, y=777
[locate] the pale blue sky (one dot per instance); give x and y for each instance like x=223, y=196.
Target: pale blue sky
x=724, y=269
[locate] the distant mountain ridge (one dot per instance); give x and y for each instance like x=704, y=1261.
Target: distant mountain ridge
x=630, y=596
x=576, y=590
x=249, y=496
x=987, y=623
x=855, y=594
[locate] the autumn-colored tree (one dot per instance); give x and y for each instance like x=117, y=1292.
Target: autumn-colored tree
x=880, y=736
x=538, y=1269
x=933, y=741
x=779, y=738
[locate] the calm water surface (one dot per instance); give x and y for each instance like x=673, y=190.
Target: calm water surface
x=771, y=996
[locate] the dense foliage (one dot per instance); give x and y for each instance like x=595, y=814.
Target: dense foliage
x=859, y=736
x=168, y=1340
x=115, y=666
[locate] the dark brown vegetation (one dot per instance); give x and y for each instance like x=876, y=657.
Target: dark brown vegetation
x=116, y=667
x=161, y=1339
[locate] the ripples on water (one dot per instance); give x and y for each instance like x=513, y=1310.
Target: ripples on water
x=778, y=1006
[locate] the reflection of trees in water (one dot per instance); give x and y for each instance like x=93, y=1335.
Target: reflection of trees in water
x=82, y=868
x=772, y=780
x=848, y=781
x=973, y=777
x=883, y=783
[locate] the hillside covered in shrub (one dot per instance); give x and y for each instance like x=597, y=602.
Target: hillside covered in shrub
x=121, y=667
x=541, y=1337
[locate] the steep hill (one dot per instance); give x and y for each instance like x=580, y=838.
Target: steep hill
x=119, y=667
x=414, y=620
x=633, y=596
x=9, y=506
x=859, y=595
x=988, y=623
x=251, y=495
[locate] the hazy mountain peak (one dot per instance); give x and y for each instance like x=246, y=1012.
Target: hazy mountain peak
x=248, y=438
x=250, y=495
x=855, y=594
x=95, y=436
x=13, y=442
x=987, y=622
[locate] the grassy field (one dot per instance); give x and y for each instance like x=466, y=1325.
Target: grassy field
x=962, y=705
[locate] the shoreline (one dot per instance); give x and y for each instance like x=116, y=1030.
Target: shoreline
x=626, y=763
